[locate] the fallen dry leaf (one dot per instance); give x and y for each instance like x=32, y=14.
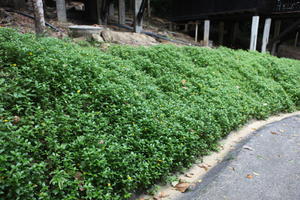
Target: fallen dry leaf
x=183, y=82
x=256, y=174
x=204, y=166
x=163, y=195
x=249, y=176
x=233, y=169
x=248, y=148
x=16, y=119
x=182, y=187
x=189, y=175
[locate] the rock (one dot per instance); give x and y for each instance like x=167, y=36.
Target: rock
x=128, y=38
x=97, y=38
x=84, y=30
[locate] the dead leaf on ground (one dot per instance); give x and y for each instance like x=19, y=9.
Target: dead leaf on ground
x=16, y=119
x=183, y=82
x=249, y=176
x=248, y=148
x=256, y=174
x=232, y=168
x=189, y=175
x=205, y=167
x=163, y=195
x=182, y=187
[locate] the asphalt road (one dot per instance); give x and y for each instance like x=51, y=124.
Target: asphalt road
x=266, y=166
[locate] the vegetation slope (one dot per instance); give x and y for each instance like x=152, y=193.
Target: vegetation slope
x=79, y=123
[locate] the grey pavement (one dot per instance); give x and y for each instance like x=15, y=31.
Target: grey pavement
x=266, y=166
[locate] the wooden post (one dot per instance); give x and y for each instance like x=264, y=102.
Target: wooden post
x=266, y=35
x=221, y=33
x=61, y=10
x=38, y=10
x=296, y=39
x=254, y=32
x=235, y=33
x=138, y=27
x=122, y=12
x=196, y=31
x=206, y=33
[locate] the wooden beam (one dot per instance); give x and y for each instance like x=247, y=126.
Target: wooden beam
x=266, y=35
x=254, y=33
x=122, y=12
x=206, y=33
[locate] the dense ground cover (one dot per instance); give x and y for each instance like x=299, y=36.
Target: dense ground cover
x=78, y=123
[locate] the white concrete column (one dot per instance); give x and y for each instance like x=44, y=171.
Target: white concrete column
x=206, y=32
x=254, y=32
x=266, y=35
x=196, y=31
x=122, y=12
x=138, y=24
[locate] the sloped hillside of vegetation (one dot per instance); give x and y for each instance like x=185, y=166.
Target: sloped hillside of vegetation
x=78, y=123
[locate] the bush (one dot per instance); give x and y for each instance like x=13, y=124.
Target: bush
x=78, y=123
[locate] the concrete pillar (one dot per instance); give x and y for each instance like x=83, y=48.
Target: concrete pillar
x=277, y=28
x=122, y=12
x=101, y=17
x=221, y=33
x=296, y=39
x=235, y=33
x=206, y=33
x=138, y=23
x=254, y=32
x=111, y=11
x=196, y=31
x=61, y=10
x=266, y=35
x=186, y=27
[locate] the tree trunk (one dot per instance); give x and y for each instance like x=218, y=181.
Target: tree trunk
x=61, y=10
x=39, y=17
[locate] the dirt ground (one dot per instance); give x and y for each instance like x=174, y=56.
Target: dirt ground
x=24, y=24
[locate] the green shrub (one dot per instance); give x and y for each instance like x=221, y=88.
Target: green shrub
x=78, y=123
